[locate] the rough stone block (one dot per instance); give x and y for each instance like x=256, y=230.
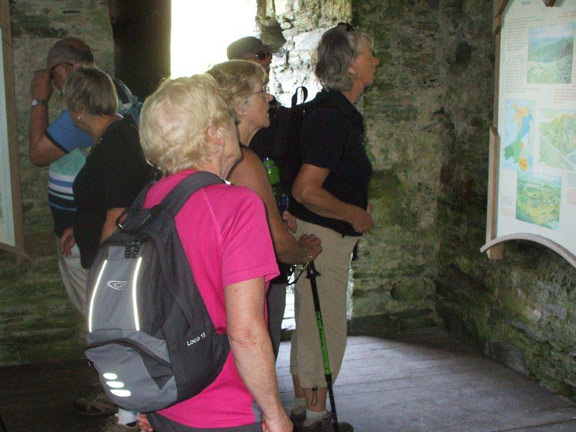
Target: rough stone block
x=412, y=289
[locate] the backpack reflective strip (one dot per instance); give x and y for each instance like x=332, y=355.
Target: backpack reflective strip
x=115, y=384
x=134, y=293
x=121, y=393
x=90, y=310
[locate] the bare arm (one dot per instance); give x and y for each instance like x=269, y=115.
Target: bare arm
x=110, y=224
x=250, y=172
x=309, y=191
x=252, y=349
x=41, y=150
x=67, y=241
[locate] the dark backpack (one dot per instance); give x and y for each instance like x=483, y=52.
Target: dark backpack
x=286, y=148
x=150, y=337
x=280, y=141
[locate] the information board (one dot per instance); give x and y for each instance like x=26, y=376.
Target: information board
x=536, y=125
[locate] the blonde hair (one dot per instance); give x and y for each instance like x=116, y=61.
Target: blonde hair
x=90, y=90
x=237, y=79
x=175, y=119
x=338, y=47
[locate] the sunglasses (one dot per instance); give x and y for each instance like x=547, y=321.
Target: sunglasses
x=346, y=26
x=263, y=55
x=53, y=68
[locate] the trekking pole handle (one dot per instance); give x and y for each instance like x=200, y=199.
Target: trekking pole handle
x=311, y=272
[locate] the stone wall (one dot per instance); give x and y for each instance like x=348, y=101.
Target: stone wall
x=407, y=118
x=295, y=27
x=37, y=322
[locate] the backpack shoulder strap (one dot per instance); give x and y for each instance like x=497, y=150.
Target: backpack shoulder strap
x=124, y=94
x=300, y=90
x=138, y=202
x=178, y=196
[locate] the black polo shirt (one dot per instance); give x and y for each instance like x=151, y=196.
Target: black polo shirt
x=332, y=138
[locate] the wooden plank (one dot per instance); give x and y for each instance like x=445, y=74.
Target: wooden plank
x=5, y=14
x=423, y=382
x=497, y=25
x=497, y=252
x=552, y=427
x=499, y=6
x=458, y=413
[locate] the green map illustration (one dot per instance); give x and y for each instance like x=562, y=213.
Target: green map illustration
x=558, y=139
x=518, y=148
x=538, y=199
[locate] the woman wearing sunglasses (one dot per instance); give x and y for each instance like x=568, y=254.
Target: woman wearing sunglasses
x=242, y=85
x=331, y=200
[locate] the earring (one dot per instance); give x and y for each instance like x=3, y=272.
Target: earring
x=79, y=118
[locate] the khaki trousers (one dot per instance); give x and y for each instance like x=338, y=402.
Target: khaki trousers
x=333, y=264
x=74, y=277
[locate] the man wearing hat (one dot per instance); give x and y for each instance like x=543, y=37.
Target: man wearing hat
x=251, y=48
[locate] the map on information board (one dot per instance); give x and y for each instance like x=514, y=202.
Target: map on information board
x=537, y=122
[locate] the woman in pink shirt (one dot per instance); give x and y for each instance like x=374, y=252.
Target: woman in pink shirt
x=185, y=126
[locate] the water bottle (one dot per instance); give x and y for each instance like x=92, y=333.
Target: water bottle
x=274, y=179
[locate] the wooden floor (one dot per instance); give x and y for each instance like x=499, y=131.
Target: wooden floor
x=419, y=381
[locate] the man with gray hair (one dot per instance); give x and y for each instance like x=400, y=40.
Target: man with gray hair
x=64, y=147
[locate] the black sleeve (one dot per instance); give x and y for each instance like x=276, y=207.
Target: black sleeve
x=124, y=170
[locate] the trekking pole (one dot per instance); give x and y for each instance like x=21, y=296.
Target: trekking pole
x=312, y=273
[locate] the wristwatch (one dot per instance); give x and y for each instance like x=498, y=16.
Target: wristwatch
x=38, y=102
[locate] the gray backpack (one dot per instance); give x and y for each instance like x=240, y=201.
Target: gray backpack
x=150, y=337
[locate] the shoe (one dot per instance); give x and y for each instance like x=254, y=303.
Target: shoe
x=298, y=419
x=96, y=405
x=113, y=426
x=325, y=425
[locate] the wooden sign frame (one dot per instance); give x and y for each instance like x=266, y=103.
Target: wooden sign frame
x=16, y=199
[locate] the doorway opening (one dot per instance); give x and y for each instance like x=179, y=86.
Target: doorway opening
x=201, y=32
